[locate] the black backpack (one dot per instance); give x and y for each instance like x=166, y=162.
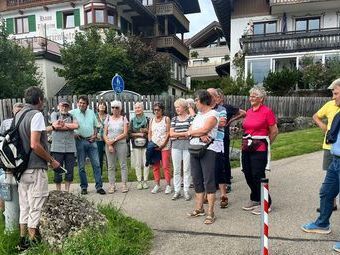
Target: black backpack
x=13, y=156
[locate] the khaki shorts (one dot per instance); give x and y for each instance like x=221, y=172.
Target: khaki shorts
x=33, y=191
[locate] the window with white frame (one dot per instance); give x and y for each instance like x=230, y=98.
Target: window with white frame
x=265, y=27
x=21, y=25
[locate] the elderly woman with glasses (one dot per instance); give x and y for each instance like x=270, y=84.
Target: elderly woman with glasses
x=260, y=131
x=115, y=133
x=159, y=131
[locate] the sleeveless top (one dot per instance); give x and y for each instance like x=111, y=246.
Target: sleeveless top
x=159, y=132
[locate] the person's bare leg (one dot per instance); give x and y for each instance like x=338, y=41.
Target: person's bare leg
x=58, y=186
x=223, y=189
x=23, y=230
x=199, y=201
x=67, y=186
x=32, y=233
x=211, y=203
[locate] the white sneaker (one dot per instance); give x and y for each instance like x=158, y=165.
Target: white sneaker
x=167, y=189
x=176, y=196
x=187, y=196
x=155, y=189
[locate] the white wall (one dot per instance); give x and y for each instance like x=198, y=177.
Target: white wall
x=51, y=82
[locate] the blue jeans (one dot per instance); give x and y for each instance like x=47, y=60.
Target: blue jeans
x=85, y=148
x=329, y=190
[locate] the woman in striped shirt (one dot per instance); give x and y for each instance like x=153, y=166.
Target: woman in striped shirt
x=179, y=148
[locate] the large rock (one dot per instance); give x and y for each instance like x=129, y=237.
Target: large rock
x=64, y=215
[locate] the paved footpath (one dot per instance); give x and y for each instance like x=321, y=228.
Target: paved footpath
x=294, y=186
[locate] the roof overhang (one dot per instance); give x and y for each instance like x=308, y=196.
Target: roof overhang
x=223, y=10
x=206, y=36
x=223, y=70
x=136, y=7
x=190, y=6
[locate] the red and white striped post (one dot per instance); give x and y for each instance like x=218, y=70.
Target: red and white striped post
x=264, y=216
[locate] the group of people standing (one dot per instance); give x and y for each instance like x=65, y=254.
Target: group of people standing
x=158, y=141
x=83, y=133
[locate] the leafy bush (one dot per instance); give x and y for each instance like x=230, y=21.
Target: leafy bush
x=239, y=86
x=281, y=82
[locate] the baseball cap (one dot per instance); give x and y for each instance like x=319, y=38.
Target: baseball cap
x=64, y=102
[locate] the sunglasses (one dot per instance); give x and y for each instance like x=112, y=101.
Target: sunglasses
x=115, y=107
x=157, y=110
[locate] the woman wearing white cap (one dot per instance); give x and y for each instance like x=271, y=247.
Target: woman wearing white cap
x=115, y=133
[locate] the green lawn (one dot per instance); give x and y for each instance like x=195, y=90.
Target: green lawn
x=123, y=235
x=292, y=144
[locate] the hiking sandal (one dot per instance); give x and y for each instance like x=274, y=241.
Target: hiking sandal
x=210, y=219
x=196, y=213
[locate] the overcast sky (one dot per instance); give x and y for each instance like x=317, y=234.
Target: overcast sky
x=198, y=21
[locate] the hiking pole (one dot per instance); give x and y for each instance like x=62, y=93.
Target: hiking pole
x=264, y=216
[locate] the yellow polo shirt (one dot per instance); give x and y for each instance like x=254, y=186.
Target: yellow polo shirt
x=328, y=111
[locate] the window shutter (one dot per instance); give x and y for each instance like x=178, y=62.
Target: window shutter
x=59, y=15
x=10, y=25
x=31, y=23
x=77, y=18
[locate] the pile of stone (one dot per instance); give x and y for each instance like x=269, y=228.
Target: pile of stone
x=65, y=215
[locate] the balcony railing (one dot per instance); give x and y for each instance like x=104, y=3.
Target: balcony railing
x=202, y=71
x=173, y=42
x=212, y=52
x=277, y=2
x=14, y=4
x=293, y=41
x=172, y=9
x=40, y=44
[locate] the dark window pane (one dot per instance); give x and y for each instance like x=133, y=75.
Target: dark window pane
x=99, y=16
x=301, y=25
x=313, y=24
x=258, y=29
x=270, y=27
x=110, y=17
x=89, y=17
x=69, y=20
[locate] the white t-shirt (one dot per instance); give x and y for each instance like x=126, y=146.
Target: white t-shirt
x=38, y=122
x=199, y=121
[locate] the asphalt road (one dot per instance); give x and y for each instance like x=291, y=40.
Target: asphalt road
x=294, y=186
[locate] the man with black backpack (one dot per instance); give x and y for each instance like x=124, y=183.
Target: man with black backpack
x=33, y=185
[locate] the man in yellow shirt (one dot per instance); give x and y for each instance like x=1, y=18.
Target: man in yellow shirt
x=328, y=111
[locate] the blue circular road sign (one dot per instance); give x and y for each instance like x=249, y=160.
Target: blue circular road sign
x=117, y=84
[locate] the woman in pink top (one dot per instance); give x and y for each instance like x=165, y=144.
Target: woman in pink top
x=260, y=130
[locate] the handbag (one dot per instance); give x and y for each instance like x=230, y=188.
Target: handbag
x=199, y=150
x=139, y=142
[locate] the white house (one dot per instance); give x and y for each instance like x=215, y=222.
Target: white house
x=272, y=34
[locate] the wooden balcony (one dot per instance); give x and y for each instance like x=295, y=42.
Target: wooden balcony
x=174, y=45
x=293, y=41
x=281, y=6
x=22, y=4
x=40, y=45
x=171, y=9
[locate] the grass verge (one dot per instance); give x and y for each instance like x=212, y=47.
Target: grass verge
x=291, y=144
x=123, y=235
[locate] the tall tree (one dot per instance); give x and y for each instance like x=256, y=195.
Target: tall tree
x=17, y=67
x=93, y=59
